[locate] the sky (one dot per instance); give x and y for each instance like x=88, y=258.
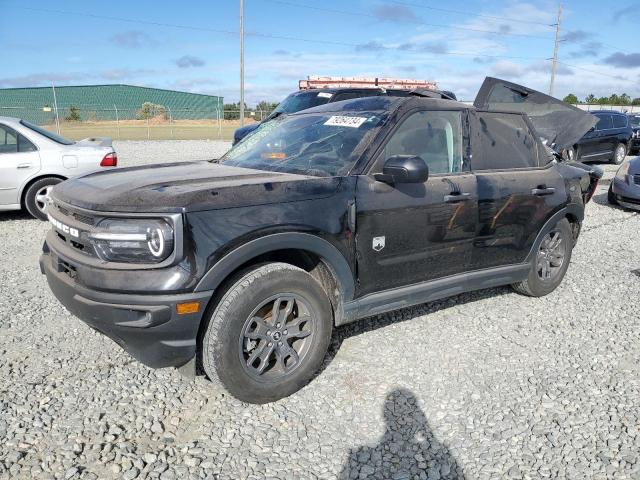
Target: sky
x=194, y=45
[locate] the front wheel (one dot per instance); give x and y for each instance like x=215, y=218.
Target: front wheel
x=619, y=153
x=268, y=334
x=550, y=263
x=36, y=196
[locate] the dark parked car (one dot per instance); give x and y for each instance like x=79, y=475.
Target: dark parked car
x=304, y=99
x=634, y=123
x=608, y=141
x=625, y=186
x=320, y=218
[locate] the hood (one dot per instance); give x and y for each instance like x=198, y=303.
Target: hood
x=557, y=122
x=184, y=186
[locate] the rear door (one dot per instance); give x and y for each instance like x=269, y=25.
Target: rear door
x=19, y=161
x=557, y=123
x=518, y=189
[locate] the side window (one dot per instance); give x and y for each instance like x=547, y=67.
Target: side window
x=506, y=142
x=434, y=136
x=604, y=122
x=619, y=121
x=8, y=140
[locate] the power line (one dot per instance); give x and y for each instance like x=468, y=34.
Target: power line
x=413, y=21
x=617, y=77
x=257, y=34
x=460, y=12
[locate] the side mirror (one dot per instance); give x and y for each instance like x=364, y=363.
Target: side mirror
x=592, y=129
x=404, y=169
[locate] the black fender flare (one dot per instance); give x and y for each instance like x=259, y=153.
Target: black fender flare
x=571, y=209
x=279, y=241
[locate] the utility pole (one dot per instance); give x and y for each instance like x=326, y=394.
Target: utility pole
x=554, y=64
x=55, y=107
x=241, y=63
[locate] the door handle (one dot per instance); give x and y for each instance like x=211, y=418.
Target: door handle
x=457, y=197
x=542, y=191
x=24, y=165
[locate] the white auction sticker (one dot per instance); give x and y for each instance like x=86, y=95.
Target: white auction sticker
x=325, y=95
x=342, y=121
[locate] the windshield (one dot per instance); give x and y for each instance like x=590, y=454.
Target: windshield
x=634, y=120
x=314, y=144
x=46, y=133
x=301, y=101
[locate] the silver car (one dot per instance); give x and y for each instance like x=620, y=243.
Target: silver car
x=33, y=160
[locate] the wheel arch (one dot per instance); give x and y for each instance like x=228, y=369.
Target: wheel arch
x=309, y=252
x=33, y=180
x=573, y=213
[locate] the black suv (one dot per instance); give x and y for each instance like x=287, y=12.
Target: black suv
x=608, y=140
x=340, y=212
x=304, y=99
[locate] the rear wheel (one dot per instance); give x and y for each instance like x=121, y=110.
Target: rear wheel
x=619, y=153
x=268, y=334
x=36, y=196
x=550, y=264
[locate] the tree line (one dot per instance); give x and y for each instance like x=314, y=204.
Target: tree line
x=614, y=99
x=232, y=110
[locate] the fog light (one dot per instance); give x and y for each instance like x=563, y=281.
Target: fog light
x=187, y=307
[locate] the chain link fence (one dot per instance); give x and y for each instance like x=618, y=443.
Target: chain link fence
x=149, y=122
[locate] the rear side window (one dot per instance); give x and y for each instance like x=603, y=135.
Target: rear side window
x=619, y=121
x=505, y=143
x=604, y=122
x=8, y=140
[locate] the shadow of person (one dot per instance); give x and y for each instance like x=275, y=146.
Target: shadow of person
x=407, y=450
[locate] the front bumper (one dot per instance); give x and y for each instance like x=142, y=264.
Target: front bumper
x=148, y=327
x=627, y=192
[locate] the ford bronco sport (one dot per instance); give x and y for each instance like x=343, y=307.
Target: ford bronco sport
x=244, y=265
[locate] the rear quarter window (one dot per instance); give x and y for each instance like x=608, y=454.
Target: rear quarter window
x=505, y=142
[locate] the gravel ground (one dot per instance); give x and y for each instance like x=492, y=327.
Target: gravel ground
x=484, y=385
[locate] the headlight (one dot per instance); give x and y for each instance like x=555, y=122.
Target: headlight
x=621, y=174
x=133, y=240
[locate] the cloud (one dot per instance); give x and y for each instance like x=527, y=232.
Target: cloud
x=188, y=61
x=631, y=10
x=372, y=46
x=577, y=36
x=395, y=13
x=282, y=53
x=132, y=39
x=42, y=79
x=506, y=69
x=545, y=67
x=623, y=60
x=589, y=49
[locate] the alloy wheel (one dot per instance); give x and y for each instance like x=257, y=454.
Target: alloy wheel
x=620, y=154
x=551, y=255
x=42, y=196
x=276, y=337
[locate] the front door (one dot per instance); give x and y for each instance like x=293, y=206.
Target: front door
x=19, y=160
x=518, y=190
x=414, y=232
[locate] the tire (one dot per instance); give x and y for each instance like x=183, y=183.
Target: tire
x=619, y=154
x=232, y=336
x=611, y=197
x=534, y=285
x=33, y=198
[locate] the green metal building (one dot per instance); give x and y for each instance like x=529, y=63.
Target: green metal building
x=105, y=102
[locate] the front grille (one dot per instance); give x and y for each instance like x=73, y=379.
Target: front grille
x=72, y=218
x=636, y=179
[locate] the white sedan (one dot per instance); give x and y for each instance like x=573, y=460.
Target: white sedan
x=33, y=160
